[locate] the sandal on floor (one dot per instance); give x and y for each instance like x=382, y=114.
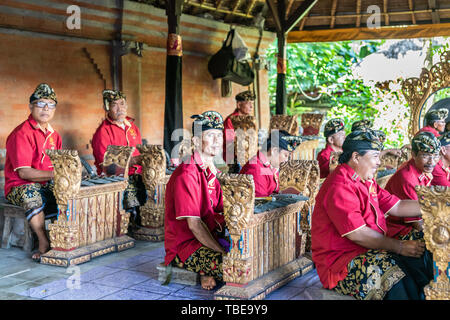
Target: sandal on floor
x=36, y=258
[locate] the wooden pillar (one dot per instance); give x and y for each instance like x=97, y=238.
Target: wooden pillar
x=283, y=25
x=173, y=112
x=281, y=98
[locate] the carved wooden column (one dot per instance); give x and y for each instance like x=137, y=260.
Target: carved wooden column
x=154, y=178
x=67, y=171
x=435, y=207
x=238, y=204
x=246, y=138
x=284, y=122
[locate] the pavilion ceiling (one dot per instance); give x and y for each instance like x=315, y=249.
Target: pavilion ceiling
x=324, y=15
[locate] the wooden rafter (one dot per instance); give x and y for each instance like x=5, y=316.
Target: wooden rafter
x=358, y=12
x=219, y=10
x=434, y=14
x=299, y=13
x=333, y=14
x=411, y=7
x=250, y=7
x=289, y=7
x=276, y=18
x=385, y=11
x=235, y=7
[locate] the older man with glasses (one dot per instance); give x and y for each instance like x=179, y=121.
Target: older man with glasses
x=415, y=172
x=28, y=168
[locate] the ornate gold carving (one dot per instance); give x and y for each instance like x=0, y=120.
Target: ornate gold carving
x=238, y=205
x=418, y=90
x=63, y=235
x=237, y=270
x=334, y=160
x=124, y=221
x=303, y=176
x=246, y=137
x=153, y=175
x=311, y=123
x=117, y=160
x=67, y=175
x=284, y=122
x=238, y=200
x=435, y=206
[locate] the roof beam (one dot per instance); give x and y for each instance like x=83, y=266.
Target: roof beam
x=298, y=14
x=358, y=12
x=391, y=32
x=235, y=7
x=434, y=14
x=333, y=14
x=411, y=8
x=385, y=11
x=276, y=18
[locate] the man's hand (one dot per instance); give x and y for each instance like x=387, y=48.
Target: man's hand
x=412, y=248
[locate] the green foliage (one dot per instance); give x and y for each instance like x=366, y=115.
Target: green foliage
x=324, y=71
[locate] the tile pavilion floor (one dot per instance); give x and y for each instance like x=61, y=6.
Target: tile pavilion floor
x=128, y=275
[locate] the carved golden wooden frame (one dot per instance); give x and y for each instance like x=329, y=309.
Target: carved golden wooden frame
x=418, y=90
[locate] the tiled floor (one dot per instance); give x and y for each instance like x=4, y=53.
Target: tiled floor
x=128, y=275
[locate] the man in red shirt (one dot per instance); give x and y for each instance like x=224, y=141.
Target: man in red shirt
x=334, y=135
x=194, y=206
x=244, y=107
x=435, y=121
x=28, y=168
x=415, y=172
x=350, y=248
x=118, y=129
x=441, y=172
x=264, y=166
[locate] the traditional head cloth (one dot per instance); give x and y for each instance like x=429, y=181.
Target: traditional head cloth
x=426, y=142
x=444, y=139
x=207, y=120
x=285, y=141
x=358, y=125
x=333, y=126
x=110, y=96
x=43, y=91
x=361, y=140
x=381, y=135
x=435, y=115
x=245, y=96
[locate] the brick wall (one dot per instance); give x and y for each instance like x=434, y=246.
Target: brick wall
x=38, y=48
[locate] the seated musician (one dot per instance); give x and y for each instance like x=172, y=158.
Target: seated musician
x=265, y=165
x=244, y=107
x=28, y=169
x=194, y=205
x=415, y=172
x=435, y=121
x=334, y=135
x=441, y=172
x=118, y=129
x=350, y=249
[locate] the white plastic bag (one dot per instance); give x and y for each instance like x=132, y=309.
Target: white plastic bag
x=240, y=49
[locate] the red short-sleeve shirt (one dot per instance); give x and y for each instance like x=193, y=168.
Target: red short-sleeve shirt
x=109, y=133
x=323, y=157
x=265, y=177
x=25, y=148
x=430, y=129
x=344, y=204
x=441, y=175
x=188, y=195
x=229, y=133
x=402, y=184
